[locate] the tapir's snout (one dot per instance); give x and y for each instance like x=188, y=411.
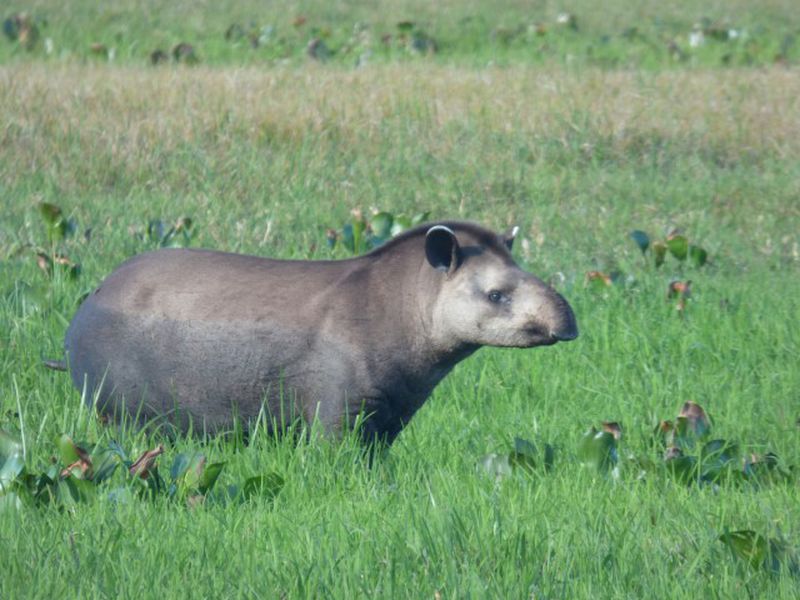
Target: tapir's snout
x=565, y=327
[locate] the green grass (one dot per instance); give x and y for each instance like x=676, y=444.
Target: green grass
x=641, y=34
x=264, y=160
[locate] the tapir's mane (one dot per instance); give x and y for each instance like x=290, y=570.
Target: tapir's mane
x=475, y=233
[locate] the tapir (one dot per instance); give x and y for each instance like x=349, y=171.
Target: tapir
x=200, y=338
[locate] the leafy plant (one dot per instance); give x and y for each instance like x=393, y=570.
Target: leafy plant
x=675, y=244
x=161, y=235
x=526, y=456
x=22, y=29
x=59, y=228
x=597, y=449
x=680, y=291
x=759, y=551
x=361, y=235
x=78, y=475
x=49, y=263
x=691, y=457
x=58, y=225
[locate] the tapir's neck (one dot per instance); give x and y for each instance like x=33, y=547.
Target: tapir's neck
x=423, y=357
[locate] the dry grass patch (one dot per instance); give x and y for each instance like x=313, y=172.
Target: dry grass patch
x=128, y=113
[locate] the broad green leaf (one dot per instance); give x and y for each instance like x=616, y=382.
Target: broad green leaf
x=43, y=488
x=663, y=433
x=682, y=435
x=420, y=218
x=678, y=246
x=691, y=426
x=68, y=451
x=180, y=465
x=348, y=237
x=265, y=486
x=186, y=473
x=156, y=230
x=748, y=546
x=659, y=252
x=525, y=462
x=209, y=477
x=641, y=238
x=683, y=468
x=766, y=469
x=105, y=463
x=401, y=223
x=549, y=457
x=598, y=450
x=698, y=255
x=11, y=460
x=58, y=227
x=524, y=447
x=71, y=491
x=719, y=459
x=118, y=450
x=529, y=455
x=358, y=227
x=50, y=213
x=382, y=226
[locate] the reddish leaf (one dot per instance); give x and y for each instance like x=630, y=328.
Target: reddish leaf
x=613, y=428
x=696, y=417
x=80, y=468
x=44, y=262
x=597, y=277
x=679, y=289
x=141, y=467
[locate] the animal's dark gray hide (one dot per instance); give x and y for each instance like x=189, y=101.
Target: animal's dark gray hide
x=205, y=337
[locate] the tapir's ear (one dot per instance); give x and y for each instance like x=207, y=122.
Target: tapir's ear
x=508, y=237
x=441, y=248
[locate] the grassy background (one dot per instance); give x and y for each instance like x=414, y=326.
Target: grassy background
x=639, y=34
x=265, y=159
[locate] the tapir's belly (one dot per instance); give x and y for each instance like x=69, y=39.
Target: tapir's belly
x=206, y=371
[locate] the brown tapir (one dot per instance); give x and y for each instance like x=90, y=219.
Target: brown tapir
x=204, y=337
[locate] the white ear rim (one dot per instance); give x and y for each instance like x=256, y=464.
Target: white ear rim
x=440, y=228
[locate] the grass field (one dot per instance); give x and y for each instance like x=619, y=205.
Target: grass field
x=266, y=149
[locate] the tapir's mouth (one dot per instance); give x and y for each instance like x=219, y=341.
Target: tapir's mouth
x=539, y=335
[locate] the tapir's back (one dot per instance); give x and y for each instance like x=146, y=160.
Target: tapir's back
x=204, y=284
x=195, y=330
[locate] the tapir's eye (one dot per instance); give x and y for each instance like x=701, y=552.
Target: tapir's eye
x=495, y=296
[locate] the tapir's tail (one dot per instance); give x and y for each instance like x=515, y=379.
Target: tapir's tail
x=56, y=365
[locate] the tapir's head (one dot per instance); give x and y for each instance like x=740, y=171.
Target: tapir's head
x=484, y=298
